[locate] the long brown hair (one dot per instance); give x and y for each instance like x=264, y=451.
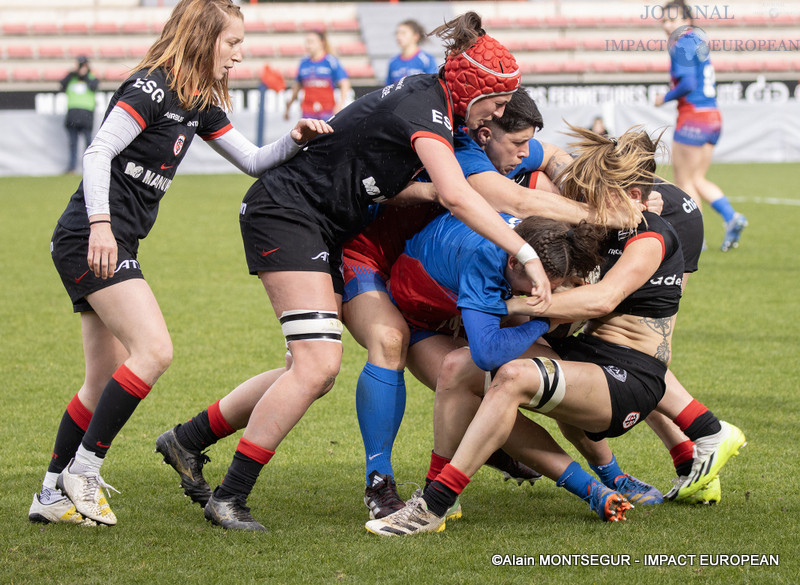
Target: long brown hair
x=606, y=168
x=564, y=250
x=187, y=49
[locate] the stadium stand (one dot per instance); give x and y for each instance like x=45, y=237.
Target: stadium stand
x=553, y=40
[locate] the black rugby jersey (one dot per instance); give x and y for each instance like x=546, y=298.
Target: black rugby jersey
x=368, y=158
x=660, y=295
x=143, y=171
x=683, y=214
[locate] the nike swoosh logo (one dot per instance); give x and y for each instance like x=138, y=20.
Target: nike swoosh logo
x=167, y=166
x=266, y=253
x=99, y=444
x=80, y=278
x=371, y=457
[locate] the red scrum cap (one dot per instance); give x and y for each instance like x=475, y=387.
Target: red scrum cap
x=486, y=68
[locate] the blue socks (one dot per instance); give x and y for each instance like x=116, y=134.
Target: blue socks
x=608, y=472
x=576, y=480
x=724, y=208
x=380, y=405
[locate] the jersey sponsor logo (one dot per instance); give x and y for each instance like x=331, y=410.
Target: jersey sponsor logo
x=321, y=256
x=513, y=222
x=151, y=88
x=193, y=123
x=625, y=234
x=174, y=116
x=78, y=279
x=616, y=373
x=155, y=180
x=150, y=178
x=176, y=149
x=671, y=280
x=134, y=170
x=688, y=205
x=631, y=419
x=441, y=118
x=268, y=252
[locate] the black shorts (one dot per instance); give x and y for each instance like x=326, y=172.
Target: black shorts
x=278, y=239
x=635, y=380
x=69, y=249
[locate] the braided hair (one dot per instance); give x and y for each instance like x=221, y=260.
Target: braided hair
x=564, y=250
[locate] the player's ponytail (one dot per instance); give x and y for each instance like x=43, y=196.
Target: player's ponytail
x=607, y=168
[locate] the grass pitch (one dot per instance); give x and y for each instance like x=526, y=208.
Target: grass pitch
x=736, y=349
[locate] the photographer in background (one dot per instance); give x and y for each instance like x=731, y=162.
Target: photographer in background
x=80, y=86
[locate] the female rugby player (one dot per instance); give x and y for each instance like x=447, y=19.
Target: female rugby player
x=177, y=91
x=699, y=121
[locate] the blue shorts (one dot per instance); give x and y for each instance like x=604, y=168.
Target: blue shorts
x=698, y=127
x=361, y=278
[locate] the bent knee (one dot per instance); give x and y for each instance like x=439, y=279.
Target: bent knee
x=158, y=357
x=457, y=367
x=316, y=377
x=391, y=350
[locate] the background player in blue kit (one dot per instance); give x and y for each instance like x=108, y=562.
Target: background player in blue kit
x=411, y=60
x=318, y=76
x=177, y=91
x=699, y=121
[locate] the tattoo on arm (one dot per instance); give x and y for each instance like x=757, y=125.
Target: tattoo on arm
x=554, y=167
x=662, y=326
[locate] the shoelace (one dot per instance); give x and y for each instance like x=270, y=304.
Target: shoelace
x=241, y=512
x=197, y=469
x=411, y=507
x=95, y=482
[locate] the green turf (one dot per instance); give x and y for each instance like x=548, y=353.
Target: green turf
x=736, y=349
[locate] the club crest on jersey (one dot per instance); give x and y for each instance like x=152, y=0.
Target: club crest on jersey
x=631, y=419
x=176, y=149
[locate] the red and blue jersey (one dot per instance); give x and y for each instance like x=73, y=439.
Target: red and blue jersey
x=318, y=80
x=693, y=80
x=447, y=267
x=399, y=68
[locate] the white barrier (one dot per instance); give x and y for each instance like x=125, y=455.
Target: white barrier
x=35, y=144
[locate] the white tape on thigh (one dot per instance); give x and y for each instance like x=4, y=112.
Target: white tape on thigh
x=304, y=325
x=552, y=386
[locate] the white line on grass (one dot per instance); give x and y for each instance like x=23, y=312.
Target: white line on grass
x=767, y=200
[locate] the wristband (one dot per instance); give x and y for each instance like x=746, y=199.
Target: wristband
x=99, y=221
x=526, y=254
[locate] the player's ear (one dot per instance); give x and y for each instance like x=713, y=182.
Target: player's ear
x=635, y=193
x=483, y=135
